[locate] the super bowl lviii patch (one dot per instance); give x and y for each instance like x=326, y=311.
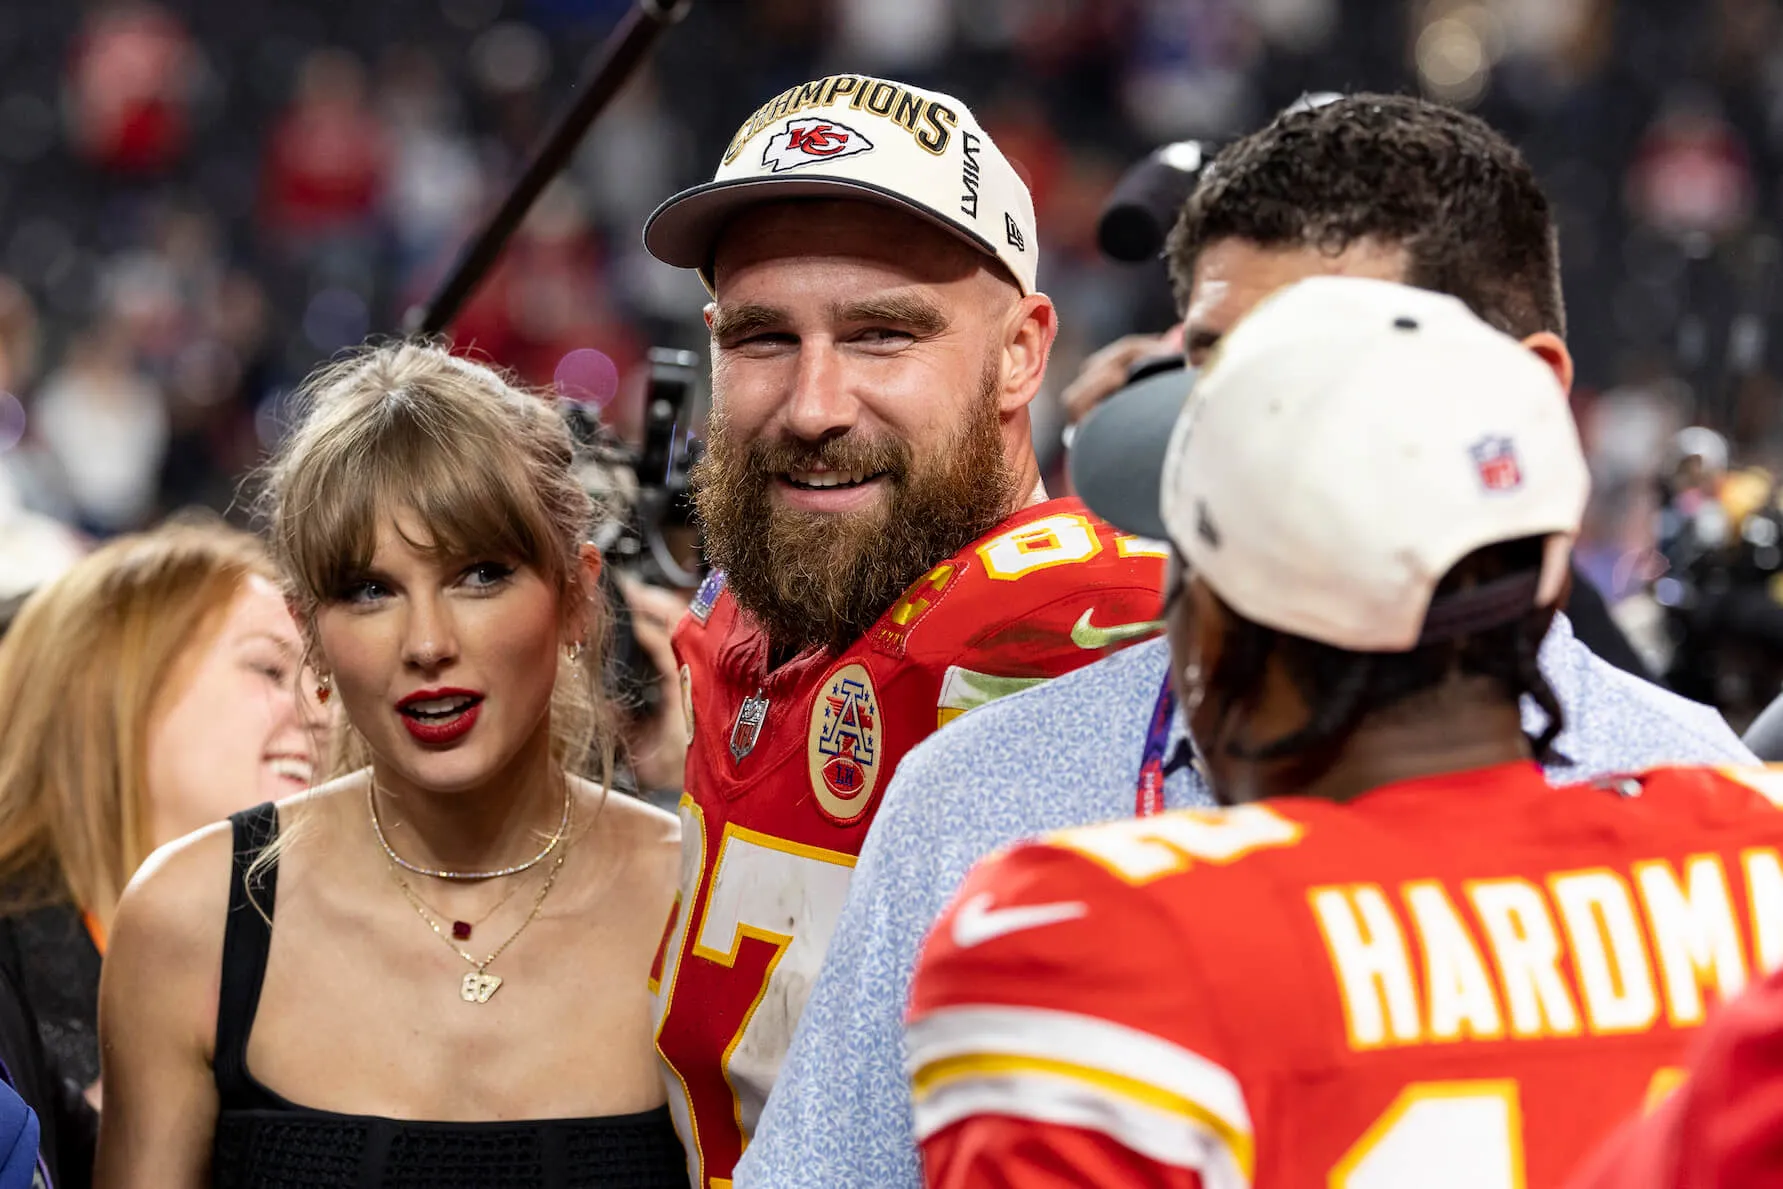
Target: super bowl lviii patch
x=706, y=597
x=843, y=747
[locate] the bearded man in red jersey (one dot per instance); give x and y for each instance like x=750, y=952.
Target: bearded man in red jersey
x=886, y=555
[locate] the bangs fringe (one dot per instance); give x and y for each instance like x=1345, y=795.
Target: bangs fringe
x=468, y=486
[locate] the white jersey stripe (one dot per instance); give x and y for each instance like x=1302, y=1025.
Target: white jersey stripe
x=1178, y=1140
x=971, y=1044
x=1079, y=1040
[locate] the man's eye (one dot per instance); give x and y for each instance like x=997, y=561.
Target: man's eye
x=884, y=335
x=765, y=339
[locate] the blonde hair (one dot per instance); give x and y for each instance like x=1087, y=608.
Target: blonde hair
x=82, y=671
x=485, y=467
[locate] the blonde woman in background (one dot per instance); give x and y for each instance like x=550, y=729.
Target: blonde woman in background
x=149, y=690
x=432, y=970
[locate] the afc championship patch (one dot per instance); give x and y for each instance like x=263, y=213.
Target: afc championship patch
x=843, y=747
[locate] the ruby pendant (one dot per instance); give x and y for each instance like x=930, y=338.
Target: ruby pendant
x=461, y=931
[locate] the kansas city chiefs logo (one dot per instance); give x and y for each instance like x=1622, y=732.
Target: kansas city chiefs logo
x=811, y=139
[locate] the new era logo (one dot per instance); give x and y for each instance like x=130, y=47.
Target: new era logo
x=1204, y=525
x=1495, y=458
x=1014, y=233
x=809, y=139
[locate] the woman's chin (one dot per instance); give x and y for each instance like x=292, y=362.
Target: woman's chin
x=458, y=770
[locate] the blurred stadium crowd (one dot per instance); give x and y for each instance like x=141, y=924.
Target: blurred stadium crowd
x=200, y=200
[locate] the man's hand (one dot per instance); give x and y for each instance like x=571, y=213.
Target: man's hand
x=658, y=746
x=1106, y=371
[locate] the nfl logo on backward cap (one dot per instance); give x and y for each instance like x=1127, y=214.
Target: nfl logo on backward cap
x=870, y=139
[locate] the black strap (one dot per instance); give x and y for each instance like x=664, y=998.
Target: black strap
x=1476, y=608
x=247, y=938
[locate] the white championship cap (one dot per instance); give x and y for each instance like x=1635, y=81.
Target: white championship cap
x=849, y=136
x=1350, y=441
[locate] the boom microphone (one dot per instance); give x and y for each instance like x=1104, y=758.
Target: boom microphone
x=619, y=56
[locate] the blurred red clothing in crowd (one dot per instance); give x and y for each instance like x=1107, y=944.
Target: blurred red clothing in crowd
x=130, y=81
x=328, y=157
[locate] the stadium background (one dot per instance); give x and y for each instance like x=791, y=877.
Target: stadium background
x=200, y=200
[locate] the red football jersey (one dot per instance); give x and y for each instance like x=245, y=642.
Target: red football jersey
x=786, y=768
x=1464, y=981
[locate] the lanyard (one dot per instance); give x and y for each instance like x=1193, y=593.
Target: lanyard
x=1149, y=796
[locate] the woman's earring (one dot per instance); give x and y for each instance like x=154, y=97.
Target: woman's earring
x=574, y=652
x=324, y=688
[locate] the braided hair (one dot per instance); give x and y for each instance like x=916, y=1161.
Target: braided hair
x=1343, y=687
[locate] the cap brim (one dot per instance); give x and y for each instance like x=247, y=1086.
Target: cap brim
x=683, y=230
x=1117, y=457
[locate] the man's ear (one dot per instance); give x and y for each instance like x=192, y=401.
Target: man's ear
x=1550, y=348
x=1033, y=325
x=1211, y=623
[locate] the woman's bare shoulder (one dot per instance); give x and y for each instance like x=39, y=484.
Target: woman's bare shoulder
x=182, y=890
x=641, y=820
x=645, y=838
x=637, y=826
x=175, y=903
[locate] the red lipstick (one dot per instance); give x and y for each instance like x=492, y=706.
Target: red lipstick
x=451, y=717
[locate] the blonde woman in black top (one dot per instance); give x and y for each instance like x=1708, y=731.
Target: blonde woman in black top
x=432, y=970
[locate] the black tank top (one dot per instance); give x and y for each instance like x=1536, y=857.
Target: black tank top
x=264, y=1141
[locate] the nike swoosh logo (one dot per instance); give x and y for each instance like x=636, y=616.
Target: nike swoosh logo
x=1084, y=634
x=977, y=922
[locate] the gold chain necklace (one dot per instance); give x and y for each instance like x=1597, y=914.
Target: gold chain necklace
x=377, y=828
x=461, y=929
x=478, y=986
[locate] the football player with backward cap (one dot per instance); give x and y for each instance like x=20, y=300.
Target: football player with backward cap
x=1396, y=957
x=886, y=556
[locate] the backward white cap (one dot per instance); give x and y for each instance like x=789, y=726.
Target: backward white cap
x=851, y=136
x=1350, y=442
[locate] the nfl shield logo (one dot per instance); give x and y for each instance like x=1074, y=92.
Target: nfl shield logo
x=1496, y=461
x=747, y=728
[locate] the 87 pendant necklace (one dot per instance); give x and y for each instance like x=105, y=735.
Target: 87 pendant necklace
x=478, y=986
